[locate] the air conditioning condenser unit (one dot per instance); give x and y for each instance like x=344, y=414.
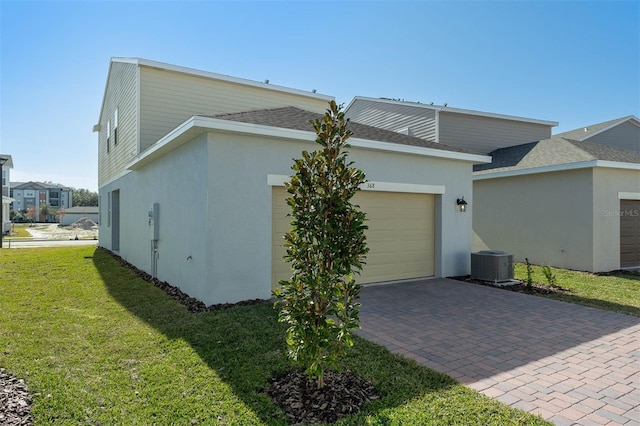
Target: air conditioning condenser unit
x=493, y=266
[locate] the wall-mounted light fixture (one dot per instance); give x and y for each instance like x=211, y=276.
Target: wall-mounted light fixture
x=462, y=204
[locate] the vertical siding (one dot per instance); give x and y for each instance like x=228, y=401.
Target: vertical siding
x=169, y=98
x=120, y=94
x=420, y=121
x=485, y=134
x=624, y=136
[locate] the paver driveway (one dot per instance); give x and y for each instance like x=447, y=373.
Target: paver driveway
x=571, y=364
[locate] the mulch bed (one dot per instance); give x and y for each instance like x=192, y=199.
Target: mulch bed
x=15, y=400
x=193, y=305
x=343, y=394
x=519, y=287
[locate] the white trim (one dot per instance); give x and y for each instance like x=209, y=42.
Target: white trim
x=617, y=165
x=628, y=195
x=214, y=76
x=200, y=124
x=414, y=188
x=630, y=118
x=418, y=150
x=457, y=110
x=482, y=175
x=277, y=180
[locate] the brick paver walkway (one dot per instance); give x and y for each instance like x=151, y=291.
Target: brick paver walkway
x=571, y=364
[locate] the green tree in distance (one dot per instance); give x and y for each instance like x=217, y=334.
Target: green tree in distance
x=326, y=246
x=84, y=197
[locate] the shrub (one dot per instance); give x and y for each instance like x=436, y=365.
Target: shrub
x=325, y=246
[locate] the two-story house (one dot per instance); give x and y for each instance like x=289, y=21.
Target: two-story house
x=192, y=166
x=571, y=200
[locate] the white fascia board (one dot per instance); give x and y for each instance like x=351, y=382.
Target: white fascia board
x=618, y=165
x=211, y=75
x=534, y=170
x=628, y=195
x=556, y=168
x=199, y=124
x=443, y=108
x=418, y=150
x=414, y=188
x=631, y=118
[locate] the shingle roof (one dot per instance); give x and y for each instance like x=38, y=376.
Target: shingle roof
x=37, y=185
x=586, y=132
x=298, y=119
x=554, y=151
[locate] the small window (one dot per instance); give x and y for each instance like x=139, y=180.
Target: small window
x=115, y=127
x=108, y=135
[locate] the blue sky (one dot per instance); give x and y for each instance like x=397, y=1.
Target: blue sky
x=577, y=63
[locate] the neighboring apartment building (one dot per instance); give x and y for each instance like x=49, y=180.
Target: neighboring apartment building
x=170, y=137
x=5, y=191
x=36, y=195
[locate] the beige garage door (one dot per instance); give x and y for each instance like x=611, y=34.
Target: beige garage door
x=629, y=233
x=401, y=235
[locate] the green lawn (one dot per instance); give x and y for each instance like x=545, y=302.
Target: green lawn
x=619, y=292
x=20, y=230
x=97, y=345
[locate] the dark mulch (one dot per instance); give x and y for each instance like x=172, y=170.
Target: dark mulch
x=520, y=287
x=343, y=394
x=15, y=400
x=193, y=305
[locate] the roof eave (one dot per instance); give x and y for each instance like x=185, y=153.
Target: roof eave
x=215, y=76
x=631, y=118
x=443, y=108
x=484, y=175
x=197, y=125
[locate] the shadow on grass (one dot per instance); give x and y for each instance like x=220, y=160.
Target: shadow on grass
x=595, y=303
x=245, y=346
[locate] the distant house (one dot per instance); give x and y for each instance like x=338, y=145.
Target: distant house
x=74, y=214
x=5, y=191
x=475, y=131
x=37, y=195
x=192, y=166
x=572, y=200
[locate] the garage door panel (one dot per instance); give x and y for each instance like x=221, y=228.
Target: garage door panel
x=401, y=235
x=629, y=233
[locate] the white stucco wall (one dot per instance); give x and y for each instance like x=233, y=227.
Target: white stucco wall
x=545, y=217
x=215, y=211
x=607, y=184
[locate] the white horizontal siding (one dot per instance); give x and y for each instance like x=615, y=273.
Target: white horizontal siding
x=420, y=121
x=485, y=134
x=120, y=94
x=168, y=99
x=624, y=136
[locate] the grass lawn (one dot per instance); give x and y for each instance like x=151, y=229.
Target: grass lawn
x=19, y=230
x=97, y=345
x=619, y=292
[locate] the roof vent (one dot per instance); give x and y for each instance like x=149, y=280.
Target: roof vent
x=493, y=266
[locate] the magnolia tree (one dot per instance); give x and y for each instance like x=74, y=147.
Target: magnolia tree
x=325, y=247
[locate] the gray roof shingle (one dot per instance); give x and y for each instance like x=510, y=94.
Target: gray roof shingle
x=554, y=151
x=586, y=132
x=298, y=119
